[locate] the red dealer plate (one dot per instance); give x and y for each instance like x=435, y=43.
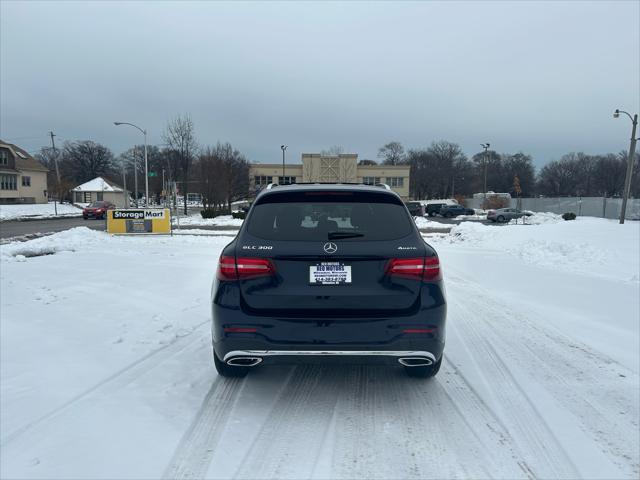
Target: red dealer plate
x=329, y=273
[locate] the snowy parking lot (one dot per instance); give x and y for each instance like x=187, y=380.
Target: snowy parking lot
x=106, y=367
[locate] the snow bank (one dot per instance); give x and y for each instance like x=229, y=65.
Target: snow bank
x=540, y=218
x=67, y=241
x=586, y=245
x=197, y=220
x=37, y=210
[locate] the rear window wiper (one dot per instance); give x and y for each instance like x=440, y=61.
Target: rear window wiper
x=337, y=235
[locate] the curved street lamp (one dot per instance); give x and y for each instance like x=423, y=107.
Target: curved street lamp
x=146, y=165
x=630, y=160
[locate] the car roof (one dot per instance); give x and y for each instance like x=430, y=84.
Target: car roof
x=305, y=187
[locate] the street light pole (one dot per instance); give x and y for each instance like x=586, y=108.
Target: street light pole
x=146, y=171
x=486, y=147
x=146, y=164
x=284, y=148
x=630, y=161
x=135, y=174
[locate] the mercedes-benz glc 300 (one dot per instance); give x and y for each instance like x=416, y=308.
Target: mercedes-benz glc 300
x=328, y=272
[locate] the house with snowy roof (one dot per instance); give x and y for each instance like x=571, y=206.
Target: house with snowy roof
x=22, y=178
x=97, y=190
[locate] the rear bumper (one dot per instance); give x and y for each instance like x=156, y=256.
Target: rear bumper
x=404, y=357
x=343, y=340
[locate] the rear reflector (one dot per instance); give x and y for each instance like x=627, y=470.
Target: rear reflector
x=240, y=330
x=418, y=330
x=426, y=269
x=230, y=268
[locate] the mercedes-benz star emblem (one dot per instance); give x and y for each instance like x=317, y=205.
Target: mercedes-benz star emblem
x=330, y=247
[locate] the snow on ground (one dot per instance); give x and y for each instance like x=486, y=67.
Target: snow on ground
x=587, y=245
x=38, y=210
x=106, y=368
x=197, y=220
x=424, y=222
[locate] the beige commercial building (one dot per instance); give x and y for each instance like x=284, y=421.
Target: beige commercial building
x=22, y=178
x=342, y=168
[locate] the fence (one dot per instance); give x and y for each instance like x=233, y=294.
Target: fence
x=602, y=207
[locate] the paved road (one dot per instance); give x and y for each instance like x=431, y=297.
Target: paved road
x=15, y=228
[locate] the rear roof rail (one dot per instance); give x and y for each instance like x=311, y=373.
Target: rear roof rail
x=382, y=185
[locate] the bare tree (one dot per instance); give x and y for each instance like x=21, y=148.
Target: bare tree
x=85, y=160
x=333, y=150
x=366, y=162
x=179, y=137
x=392, y=153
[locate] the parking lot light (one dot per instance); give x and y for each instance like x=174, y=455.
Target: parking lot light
x=630, y=160
x=146, y=164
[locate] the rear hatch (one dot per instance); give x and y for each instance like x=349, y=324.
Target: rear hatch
x=329, y=255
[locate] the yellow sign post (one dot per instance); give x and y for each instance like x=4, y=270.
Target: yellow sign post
x=139, y=220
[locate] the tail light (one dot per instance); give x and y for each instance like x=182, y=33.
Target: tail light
x=426, y=269
x=232, y=268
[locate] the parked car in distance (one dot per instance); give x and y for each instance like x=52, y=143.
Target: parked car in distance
x=502, y=215
x=416, y=209
x=97, y=210
x=449, y=211
x=326, y=273
x=434, y=208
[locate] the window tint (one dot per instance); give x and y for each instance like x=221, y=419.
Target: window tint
x=311, y=216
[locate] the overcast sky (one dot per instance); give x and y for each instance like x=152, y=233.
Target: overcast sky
x=540, y=77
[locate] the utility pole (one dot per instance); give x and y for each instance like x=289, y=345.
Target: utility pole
x=55, y=156
x=630, y=161
x=55, y=161
x=124, y=184
x=284, y=148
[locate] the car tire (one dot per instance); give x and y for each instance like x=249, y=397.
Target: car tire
x=426, y=371
x=225, y=370
x=501, y=219
x=432, y=214
x=448, y=215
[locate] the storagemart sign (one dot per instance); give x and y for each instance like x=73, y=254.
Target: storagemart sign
x=148, y=220
x=138, y=214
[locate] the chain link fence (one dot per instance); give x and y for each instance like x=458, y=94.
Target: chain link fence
x=602, y=207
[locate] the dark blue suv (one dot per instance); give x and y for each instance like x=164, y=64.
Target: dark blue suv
x=322, y=272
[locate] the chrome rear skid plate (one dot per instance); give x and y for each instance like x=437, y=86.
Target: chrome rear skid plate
x=408, y=358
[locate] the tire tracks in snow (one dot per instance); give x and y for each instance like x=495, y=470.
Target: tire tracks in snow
x=391, y=426
x=607, y=415
x=197, y=447
x=296, y=425
x=540, y=447
x=115, y=381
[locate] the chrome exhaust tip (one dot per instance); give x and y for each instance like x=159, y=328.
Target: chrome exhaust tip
x=244, y=361
x=415, y=361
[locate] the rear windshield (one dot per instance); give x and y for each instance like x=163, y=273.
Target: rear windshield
x=322, y=216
